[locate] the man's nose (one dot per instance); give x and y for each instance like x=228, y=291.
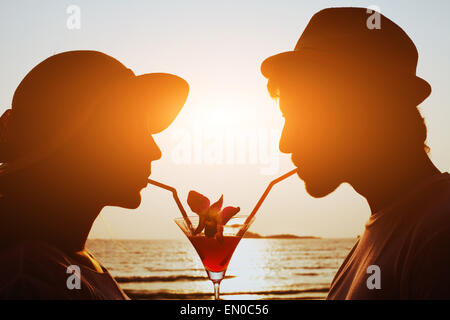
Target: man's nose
x=285, y=141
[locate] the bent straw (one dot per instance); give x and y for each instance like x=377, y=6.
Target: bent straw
x=263, y=197
x=177, y=200
x=249, y=218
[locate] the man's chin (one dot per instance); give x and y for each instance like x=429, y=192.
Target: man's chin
x=318, y=189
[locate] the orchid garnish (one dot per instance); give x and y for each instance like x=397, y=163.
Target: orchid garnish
x=212, y=217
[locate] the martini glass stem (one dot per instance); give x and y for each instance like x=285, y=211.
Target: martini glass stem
x=216, y=290
x=216, y=278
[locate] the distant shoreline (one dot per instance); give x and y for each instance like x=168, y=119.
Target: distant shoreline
x=184, y=238
x=254, y=235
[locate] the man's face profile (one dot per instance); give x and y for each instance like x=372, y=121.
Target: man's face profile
x=321, y=131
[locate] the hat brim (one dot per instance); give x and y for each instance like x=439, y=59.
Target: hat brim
x=304, y=62
x=162, y=95
x=292, y=61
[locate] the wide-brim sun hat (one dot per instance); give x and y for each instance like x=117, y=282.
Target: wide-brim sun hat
x=58, y=96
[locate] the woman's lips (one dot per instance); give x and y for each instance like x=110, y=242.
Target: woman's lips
x=146, y=179
x=144, y=182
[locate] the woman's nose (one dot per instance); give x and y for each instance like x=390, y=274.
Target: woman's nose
x=155, y=152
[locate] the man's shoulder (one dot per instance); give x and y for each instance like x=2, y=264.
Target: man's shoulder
x=436, y=204
x=429, y=216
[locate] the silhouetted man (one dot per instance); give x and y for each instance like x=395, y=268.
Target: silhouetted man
x=77, y=138
x=349, y=96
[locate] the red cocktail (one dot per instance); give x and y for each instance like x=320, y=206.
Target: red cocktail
x=215, y=255
x=215, y=252
x=218, y=230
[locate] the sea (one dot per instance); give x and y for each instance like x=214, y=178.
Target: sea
x=259, y=268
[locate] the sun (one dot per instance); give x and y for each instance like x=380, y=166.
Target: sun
x=223, y=113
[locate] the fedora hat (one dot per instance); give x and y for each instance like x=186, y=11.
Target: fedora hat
x=59, y=95
x=338, y=40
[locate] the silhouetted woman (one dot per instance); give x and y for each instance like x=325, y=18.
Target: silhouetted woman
x=77, y=138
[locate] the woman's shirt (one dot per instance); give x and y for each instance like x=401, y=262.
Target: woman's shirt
x=38, y=270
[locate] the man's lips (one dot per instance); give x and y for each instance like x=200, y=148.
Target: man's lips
x=295, y=161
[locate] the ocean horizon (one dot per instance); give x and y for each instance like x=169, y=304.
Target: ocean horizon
x=259, y=269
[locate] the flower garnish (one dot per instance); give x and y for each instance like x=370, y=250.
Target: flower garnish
x=212, y=217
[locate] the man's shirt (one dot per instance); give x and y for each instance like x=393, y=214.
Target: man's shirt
x=404, y=252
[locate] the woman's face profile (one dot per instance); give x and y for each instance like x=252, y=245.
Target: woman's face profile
x=114, y=155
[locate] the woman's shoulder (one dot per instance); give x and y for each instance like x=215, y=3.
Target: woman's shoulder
x=39, y=270
x=32, y=268
x=22, y=254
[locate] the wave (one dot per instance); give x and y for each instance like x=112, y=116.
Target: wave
x=163, y=278
x=174, y=269
x=308, y=268
x=166, y=295
x=318, y=268
x=306, y=274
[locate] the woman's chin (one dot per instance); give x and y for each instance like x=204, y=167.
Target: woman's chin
x=131, y=201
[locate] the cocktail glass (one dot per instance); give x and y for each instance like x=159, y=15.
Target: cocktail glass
x=215, y=254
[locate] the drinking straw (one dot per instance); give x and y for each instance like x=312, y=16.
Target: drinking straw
x=249, y=218
x=264, y=195
x=177, y=200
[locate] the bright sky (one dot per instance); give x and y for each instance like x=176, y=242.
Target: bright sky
x=218, y=46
